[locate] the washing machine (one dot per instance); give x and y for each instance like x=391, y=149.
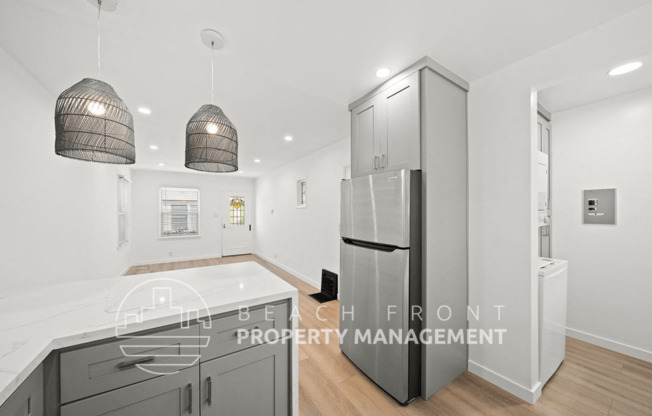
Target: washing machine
x=553, y=284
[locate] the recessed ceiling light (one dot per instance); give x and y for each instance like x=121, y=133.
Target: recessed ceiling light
x=383, y=72
x=288, y=138
x=256, y=160
x=161, y=164
x=144, y=110
x=623, y=69
x=153, y=147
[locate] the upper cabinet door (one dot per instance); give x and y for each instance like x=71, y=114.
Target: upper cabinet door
x=365, y=138
x=400, y=142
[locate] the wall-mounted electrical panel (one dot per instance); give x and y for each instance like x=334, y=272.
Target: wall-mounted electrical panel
x=599, y=206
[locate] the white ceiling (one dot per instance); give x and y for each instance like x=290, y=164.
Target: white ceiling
x=596, y=85
x=288, y=67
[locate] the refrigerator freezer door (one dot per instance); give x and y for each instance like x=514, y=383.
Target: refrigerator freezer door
x=376, y=208
x=374, y=287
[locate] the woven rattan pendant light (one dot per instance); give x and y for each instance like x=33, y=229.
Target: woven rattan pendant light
x=211, y=138
x=91, y=122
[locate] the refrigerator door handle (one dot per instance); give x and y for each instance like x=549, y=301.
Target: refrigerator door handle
x=388, y=248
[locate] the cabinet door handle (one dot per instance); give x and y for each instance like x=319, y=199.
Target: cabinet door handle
x=128, y=364
x=209, y=399
x=189, y=388
x=375, y=162
x=382, y=160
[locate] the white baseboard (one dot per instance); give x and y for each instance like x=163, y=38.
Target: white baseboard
x=311, y=282
x=173, y=260
x=522, y=392
x=616, y=346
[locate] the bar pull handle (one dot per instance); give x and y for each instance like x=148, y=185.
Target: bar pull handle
x=237, y=333
x=382, y=160
x=189, y=389
x=128, y=364
x=249, y=227
x=209, y=399
x=375, y=162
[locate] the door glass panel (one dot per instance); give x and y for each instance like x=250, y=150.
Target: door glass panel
x=237, y=210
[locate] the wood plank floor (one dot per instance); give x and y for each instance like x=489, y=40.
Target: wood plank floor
x=592, y=381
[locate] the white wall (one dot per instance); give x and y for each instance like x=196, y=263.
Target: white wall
x=502, y=192
x=303, y=241
x=606, y=145
x=60, y=215
x=147, y=247
x=501, y=240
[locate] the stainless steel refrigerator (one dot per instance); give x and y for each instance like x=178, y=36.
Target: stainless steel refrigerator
x=380, y=278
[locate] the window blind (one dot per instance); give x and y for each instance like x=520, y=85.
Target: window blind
x=179, y=212
x=123, y=210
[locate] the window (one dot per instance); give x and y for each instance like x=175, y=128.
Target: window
x=237, y=210
x=179, y=209
x=123, y=210
x=301, y=193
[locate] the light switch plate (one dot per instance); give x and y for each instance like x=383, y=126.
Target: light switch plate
x=599, y=206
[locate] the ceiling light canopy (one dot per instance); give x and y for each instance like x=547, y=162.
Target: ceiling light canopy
x=211, y=138
x=624, y=69
x=91, y=122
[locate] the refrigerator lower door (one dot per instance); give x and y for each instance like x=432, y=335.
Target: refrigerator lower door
x=374, y=296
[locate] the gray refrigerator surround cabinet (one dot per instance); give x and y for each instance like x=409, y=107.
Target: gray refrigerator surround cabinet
x=380, y=276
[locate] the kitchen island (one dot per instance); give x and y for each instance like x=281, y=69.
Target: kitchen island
x=78, y=323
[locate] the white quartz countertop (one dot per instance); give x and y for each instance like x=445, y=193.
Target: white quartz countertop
x=34, y=321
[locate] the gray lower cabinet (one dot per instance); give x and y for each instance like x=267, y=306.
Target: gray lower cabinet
x=27, y=400
x=252, y=382
x=170, y=395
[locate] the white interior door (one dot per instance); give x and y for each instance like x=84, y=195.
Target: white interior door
x=236, y=223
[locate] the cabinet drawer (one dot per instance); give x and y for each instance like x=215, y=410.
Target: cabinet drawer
x=173, y=395
x=224, y=330
x=127, y=360
x=27, y=400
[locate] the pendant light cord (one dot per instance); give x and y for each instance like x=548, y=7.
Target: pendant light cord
x=212, y=72
x=99, y=56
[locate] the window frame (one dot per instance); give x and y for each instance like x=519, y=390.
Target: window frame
x=302, y=193
x=162, y=236
x=124, y=208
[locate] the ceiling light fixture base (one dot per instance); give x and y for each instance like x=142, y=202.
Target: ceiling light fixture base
x=107, y=5
x=212, y=39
